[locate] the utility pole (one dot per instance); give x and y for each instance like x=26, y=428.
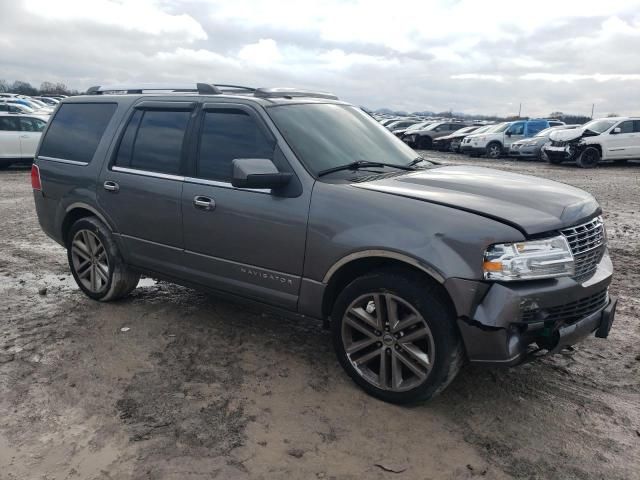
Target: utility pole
x=593, y=107
x=520, y=110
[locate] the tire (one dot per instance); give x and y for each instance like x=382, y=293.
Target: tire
x=96, y=263
x=424, y=142
x=494, y=150
x=414, y=370
x=589, y=158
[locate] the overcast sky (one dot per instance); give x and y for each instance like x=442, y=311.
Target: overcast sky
x=471, y=56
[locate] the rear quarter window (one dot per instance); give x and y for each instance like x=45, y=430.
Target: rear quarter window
x=76, y=131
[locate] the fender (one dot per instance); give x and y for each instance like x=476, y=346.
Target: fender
x=85, y=206
x=383, y=254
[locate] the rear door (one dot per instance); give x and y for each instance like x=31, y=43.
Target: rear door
x=30, y=131
x=141, y=187
x=9, y=137
x=248, y=242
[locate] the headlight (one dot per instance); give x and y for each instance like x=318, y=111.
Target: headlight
x=530, y=260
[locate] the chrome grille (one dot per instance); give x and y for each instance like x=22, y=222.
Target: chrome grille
x=558, y=143
x=570, y=312
x=587, y=242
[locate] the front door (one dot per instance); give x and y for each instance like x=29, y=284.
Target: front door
x=514, y=133
x=140, y=190
x=623, y=144
x=30, y=132
x=248, y=242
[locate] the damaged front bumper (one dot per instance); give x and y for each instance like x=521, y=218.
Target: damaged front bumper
x=510, y=323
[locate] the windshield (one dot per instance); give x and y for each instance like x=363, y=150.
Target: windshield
x=417, y=126
x=327, y=135
x=466, y=130
x=600, y=126
x=500, y=127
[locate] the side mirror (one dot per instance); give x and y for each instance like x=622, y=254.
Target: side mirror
x=257, y=173
x=509, y=133
x=616, y=130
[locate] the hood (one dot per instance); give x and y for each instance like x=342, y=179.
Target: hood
x=566, y=135
x=530, y=204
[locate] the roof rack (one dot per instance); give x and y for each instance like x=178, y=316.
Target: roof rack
x=206, y=89
x=291, y=93
x=202, y=88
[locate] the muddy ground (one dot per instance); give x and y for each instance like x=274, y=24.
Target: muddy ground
x=175, y=384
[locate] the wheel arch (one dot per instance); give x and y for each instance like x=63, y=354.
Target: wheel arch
x=76, y=211
x=357, y=264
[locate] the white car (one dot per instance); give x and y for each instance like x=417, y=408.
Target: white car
x=19, y=137
x=496, y=141
x=614, y=139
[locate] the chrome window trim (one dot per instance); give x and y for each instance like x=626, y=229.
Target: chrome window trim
x=147, y=173
x=63, y=160
x=218, y=183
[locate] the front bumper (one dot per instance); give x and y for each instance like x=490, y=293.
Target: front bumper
x=514, y=322
x=560, y=154
x=475, y=150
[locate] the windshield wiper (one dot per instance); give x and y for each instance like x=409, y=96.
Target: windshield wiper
x=363, y=164
x=417, y=160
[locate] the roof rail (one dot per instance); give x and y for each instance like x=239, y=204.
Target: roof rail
x=223, y=86
x=291, y=93
x=202, y=88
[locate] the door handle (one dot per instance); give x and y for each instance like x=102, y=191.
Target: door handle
x=24, y=136
x=203, y=203
x=110, y=186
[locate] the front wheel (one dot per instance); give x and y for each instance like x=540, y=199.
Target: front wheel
x=589, y=158
x=494, y=150
x=425, y=142
x=395, y=336
x=96, y=263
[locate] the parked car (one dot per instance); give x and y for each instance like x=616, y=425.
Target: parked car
x=465, y=142
x=423, y=139
x=401, y=124
x=607, y=139
x=496, y=142
x=416, y=126
x=313, y=209
x=52, y=102
x=532, y=147
x=452, y=141
x=10, y=107
x=34, y=104
x=19, y=137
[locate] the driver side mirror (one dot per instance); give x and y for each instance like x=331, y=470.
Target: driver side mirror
x=508, y=133
x=257, y=173
x=616, y=130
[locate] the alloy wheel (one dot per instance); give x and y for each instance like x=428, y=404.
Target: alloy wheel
x=90, y=261
x=388, y=342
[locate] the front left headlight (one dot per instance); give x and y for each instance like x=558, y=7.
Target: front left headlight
x=531, y=260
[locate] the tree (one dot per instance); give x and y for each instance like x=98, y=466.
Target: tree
x=47, y=87
x=23, y=88
x=4, y=86
x=612, y=115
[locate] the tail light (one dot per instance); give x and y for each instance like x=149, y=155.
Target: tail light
x=36, y=184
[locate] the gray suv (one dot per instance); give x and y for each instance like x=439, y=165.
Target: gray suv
x=305, y=204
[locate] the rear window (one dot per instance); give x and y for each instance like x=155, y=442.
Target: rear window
x=76, y=130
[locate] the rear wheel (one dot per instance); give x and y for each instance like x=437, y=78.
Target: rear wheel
x=395, y=336
x=589, y=158
x=494, y=150
x=96, y=263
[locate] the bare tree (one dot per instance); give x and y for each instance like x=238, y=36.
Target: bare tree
x=4, y=86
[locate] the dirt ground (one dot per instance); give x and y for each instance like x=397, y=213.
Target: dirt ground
x=175, y=384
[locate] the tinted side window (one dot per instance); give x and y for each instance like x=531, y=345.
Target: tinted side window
x=228, y=134
x=636, y=126
x=9, y=124
x=76, y=130
x=517, y=129
x=626, y=127
x=153, y=141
